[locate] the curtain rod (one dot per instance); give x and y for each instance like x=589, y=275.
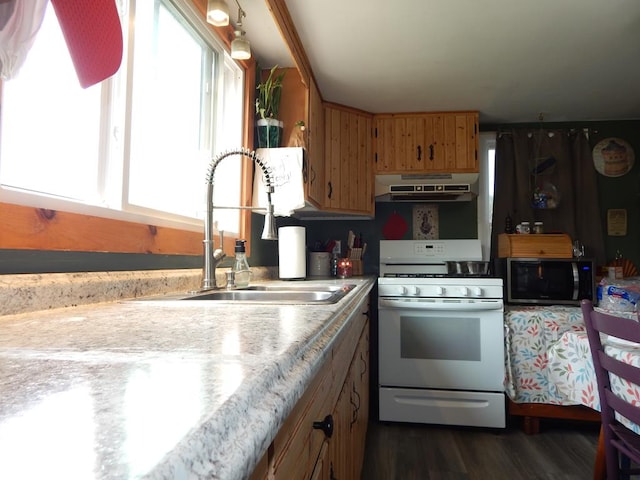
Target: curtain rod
x=585, y=130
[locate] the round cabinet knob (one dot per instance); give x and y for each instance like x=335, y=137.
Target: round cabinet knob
x=415, y=290
x=477, y=291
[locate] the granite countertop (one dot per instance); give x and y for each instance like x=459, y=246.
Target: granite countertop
x=128, y=389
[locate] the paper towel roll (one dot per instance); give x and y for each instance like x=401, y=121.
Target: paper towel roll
x=291, y=252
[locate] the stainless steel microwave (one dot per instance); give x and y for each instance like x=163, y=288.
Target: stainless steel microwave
x=548, y=281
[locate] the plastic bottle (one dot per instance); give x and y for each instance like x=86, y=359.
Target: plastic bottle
x=508, y=224
x=334, y=265
x=241, y=266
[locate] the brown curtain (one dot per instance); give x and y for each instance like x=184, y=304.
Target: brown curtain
x=557, y=166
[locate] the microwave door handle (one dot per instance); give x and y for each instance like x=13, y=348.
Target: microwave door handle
x=462, y=306
x=576, y=280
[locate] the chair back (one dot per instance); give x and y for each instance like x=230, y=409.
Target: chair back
x=617, y=437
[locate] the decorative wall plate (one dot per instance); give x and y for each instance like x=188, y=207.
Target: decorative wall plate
x=613, y=157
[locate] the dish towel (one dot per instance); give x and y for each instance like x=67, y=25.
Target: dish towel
x=286, y=173
x=19, y=24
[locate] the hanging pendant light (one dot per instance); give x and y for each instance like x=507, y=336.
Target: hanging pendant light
x=240, y=47
x=218, y=13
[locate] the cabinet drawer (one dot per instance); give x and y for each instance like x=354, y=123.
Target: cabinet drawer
x=534, y=246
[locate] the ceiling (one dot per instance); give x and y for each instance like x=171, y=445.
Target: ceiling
x=571, y=60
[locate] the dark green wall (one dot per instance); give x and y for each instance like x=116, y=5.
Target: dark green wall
x=621, y=192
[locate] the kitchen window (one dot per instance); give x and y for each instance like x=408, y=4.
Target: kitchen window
x=137, y=146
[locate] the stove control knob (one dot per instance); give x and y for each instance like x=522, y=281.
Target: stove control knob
x=477, y=291
x=439, y=291
x=464, y=291
x=414, y=290
x=402, y=290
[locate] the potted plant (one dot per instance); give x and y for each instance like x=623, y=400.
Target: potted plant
x=267, y=107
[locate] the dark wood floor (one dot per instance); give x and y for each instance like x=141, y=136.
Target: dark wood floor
x=425, y=452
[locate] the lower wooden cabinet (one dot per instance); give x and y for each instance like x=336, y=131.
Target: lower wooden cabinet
x=351, y=416
x=324, y=436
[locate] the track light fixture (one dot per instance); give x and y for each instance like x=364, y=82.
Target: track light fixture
x=240, y=47
x=218, y=13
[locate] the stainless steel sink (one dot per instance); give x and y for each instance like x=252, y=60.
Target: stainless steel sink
x=278, y=294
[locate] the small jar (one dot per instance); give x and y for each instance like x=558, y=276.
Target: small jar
x=345, y=268
x=538, y=227
x=523, y=228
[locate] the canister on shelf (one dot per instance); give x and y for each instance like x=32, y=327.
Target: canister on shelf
x=538, y=227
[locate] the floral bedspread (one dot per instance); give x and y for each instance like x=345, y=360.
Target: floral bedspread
x=530, y=334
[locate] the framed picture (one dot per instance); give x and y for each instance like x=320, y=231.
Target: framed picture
x=617, y=222
x=425, y=222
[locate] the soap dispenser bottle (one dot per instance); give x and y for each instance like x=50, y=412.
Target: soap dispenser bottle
x=241, y=266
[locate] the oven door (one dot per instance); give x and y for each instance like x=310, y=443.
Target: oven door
x=441, y=344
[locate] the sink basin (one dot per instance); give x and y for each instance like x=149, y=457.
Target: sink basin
x=278, y=294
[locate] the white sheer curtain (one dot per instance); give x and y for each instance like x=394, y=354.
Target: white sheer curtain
x=20, y=20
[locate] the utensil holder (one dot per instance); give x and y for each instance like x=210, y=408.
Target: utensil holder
x=356, y=267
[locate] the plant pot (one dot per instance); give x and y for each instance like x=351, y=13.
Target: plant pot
x=269, y=132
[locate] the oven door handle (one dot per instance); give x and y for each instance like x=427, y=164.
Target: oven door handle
x=458, y=306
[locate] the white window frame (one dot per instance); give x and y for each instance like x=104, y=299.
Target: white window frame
x=114, y=127
x=487, y=147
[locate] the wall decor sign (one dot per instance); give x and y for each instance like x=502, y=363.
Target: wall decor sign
x=617, y=222
x=613, y=157
x=425, y=222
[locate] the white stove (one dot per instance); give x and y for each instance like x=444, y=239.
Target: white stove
x=441, y=340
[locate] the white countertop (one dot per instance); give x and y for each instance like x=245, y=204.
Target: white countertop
x=147, y=390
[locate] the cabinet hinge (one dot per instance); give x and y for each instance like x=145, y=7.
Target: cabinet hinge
x=375, y=132
x=375, y=158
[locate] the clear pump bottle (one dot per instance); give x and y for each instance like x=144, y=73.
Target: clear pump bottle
x=241, y=266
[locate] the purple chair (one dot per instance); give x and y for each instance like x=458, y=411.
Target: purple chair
x=621, y=445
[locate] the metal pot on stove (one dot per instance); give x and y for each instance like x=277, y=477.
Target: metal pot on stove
x=468, y=268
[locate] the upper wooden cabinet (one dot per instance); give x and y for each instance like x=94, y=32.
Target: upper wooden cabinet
x=348, y=160
x=300, y=102
x=315, y=146
x=445, y=142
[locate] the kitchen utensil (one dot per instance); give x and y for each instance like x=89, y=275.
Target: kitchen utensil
x=470, y=268
x=319, y=264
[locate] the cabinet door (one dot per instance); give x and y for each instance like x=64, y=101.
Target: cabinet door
x=455, y=142
x=360, y=400
x=323, y=469
x=426, y=143
x=348, y=173
x=351, y=414
x=315, y=147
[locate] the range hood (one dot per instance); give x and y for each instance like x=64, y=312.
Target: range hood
x=445, y=187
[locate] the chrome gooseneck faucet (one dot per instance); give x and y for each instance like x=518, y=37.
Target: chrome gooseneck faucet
x=213, y=258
